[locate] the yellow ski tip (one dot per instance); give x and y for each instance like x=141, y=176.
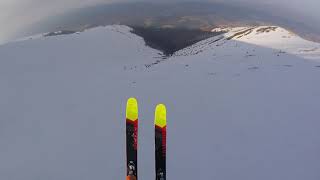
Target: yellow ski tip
x=132, y=109
x=161, y=116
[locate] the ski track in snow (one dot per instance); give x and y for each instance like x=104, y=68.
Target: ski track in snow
x=243, y=109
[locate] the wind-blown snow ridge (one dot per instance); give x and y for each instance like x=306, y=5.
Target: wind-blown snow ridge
x=272, y=37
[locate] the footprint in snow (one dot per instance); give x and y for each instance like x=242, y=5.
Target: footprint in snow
x=212, y=74
x=253, y=68
x=288, y=65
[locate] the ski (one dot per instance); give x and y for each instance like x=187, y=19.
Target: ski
x=160, y=141
x=132, y=139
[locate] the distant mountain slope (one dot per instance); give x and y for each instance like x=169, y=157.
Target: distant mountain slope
x=237, y=109
x=170, y=40
x=273, y=37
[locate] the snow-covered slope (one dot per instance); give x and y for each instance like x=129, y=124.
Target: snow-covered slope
x=237, y=109
x=272, y=37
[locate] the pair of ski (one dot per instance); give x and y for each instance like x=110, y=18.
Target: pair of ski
x=160, y=125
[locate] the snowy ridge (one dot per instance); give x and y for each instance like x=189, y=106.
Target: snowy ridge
x=126, y=47
x=271, y=37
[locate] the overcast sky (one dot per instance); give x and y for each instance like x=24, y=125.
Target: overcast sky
x=17, y=14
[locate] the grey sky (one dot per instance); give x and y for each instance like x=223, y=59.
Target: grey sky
x=17, y=14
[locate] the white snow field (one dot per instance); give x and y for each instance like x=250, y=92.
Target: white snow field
x=245, y=108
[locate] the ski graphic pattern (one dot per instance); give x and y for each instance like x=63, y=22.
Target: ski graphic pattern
x=132, y=139
x=160, y=141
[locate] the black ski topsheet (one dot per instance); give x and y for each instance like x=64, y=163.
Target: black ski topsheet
x=160, y=153
x=132, y=147
x=160, y=142
x=132, y=139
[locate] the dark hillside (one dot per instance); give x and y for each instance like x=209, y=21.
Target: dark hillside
x=170, y=40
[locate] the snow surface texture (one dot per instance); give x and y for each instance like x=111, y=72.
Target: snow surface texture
x=236, y=109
